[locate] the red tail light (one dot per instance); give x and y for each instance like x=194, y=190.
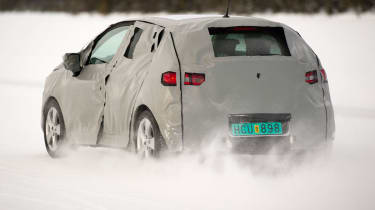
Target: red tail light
x=324, y=75
x=311, y=77
x=169, y=78
x=194, y=79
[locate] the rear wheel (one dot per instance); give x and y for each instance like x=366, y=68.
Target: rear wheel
x=54, y=128
x=148, y=139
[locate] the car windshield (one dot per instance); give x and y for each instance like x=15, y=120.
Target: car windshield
x=249, y=41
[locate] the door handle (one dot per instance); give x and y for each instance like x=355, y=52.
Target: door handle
x=106, y=79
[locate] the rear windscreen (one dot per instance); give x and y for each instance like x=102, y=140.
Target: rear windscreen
x=249, y=41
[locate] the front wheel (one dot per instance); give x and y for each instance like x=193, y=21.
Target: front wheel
x=148, y=139
x=53, y=128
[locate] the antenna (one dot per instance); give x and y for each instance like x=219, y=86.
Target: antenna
x=227, y=12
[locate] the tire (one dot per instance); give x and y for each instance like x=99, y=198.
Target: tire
x=53, y=128
x=148, y=141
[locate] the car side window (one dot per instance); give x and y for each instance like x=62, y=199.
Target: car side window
x=129, y=53
x=107, y=46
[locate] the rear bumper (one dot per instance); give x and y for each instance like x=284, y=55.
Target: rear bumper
x=303, y=132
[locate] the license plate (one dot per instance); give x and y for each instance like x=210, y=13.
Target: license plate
x=257, y=128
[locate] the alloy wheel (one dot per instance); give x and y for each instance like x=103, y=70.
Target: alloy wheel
x=145, y=138
x=53, y=129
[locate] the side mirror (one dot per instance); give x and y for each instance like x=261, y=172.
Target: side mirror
x=72, y=63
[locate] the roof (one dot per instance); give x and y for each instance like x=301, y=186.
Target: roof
x=176, y=21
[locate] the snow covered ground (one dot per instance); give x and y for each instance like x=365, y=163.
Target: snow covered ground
x=32, y=44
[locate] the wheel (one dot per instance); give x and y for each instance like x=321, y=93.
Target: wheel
x=148, y=140
x=54, y=128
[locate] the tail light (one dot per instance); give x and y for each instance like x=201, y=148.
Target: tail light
x=324, y=75
x=311, y=77
x=194, y=79
x=169, y=78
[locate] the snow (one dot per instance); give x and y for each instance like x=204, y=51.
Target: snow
x=32, y=44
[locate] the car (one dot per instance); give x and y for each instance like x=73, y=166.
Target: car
x=166, y=84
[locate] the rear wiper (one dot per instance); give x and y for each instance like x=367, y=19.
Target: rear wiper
x=268, y=54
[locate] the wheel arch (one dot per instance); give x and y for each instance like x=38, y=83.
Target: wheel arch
x=141, y=108
x=48, y=100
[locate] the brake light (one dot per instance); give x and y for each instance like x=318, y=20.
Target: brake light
x=324, y=75
x=311, y=77
x=194, y=79
x=169, y=78
x=244, y=28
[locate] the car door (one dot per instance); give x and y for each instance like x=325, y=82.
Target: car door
x=87, y=90
x=123, y=84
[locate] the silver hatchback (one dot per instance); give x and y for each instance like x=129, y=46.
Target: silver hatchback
x=160, y=84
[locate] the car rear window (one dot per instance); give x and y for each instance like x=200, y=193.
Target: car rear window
x=249, y=41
